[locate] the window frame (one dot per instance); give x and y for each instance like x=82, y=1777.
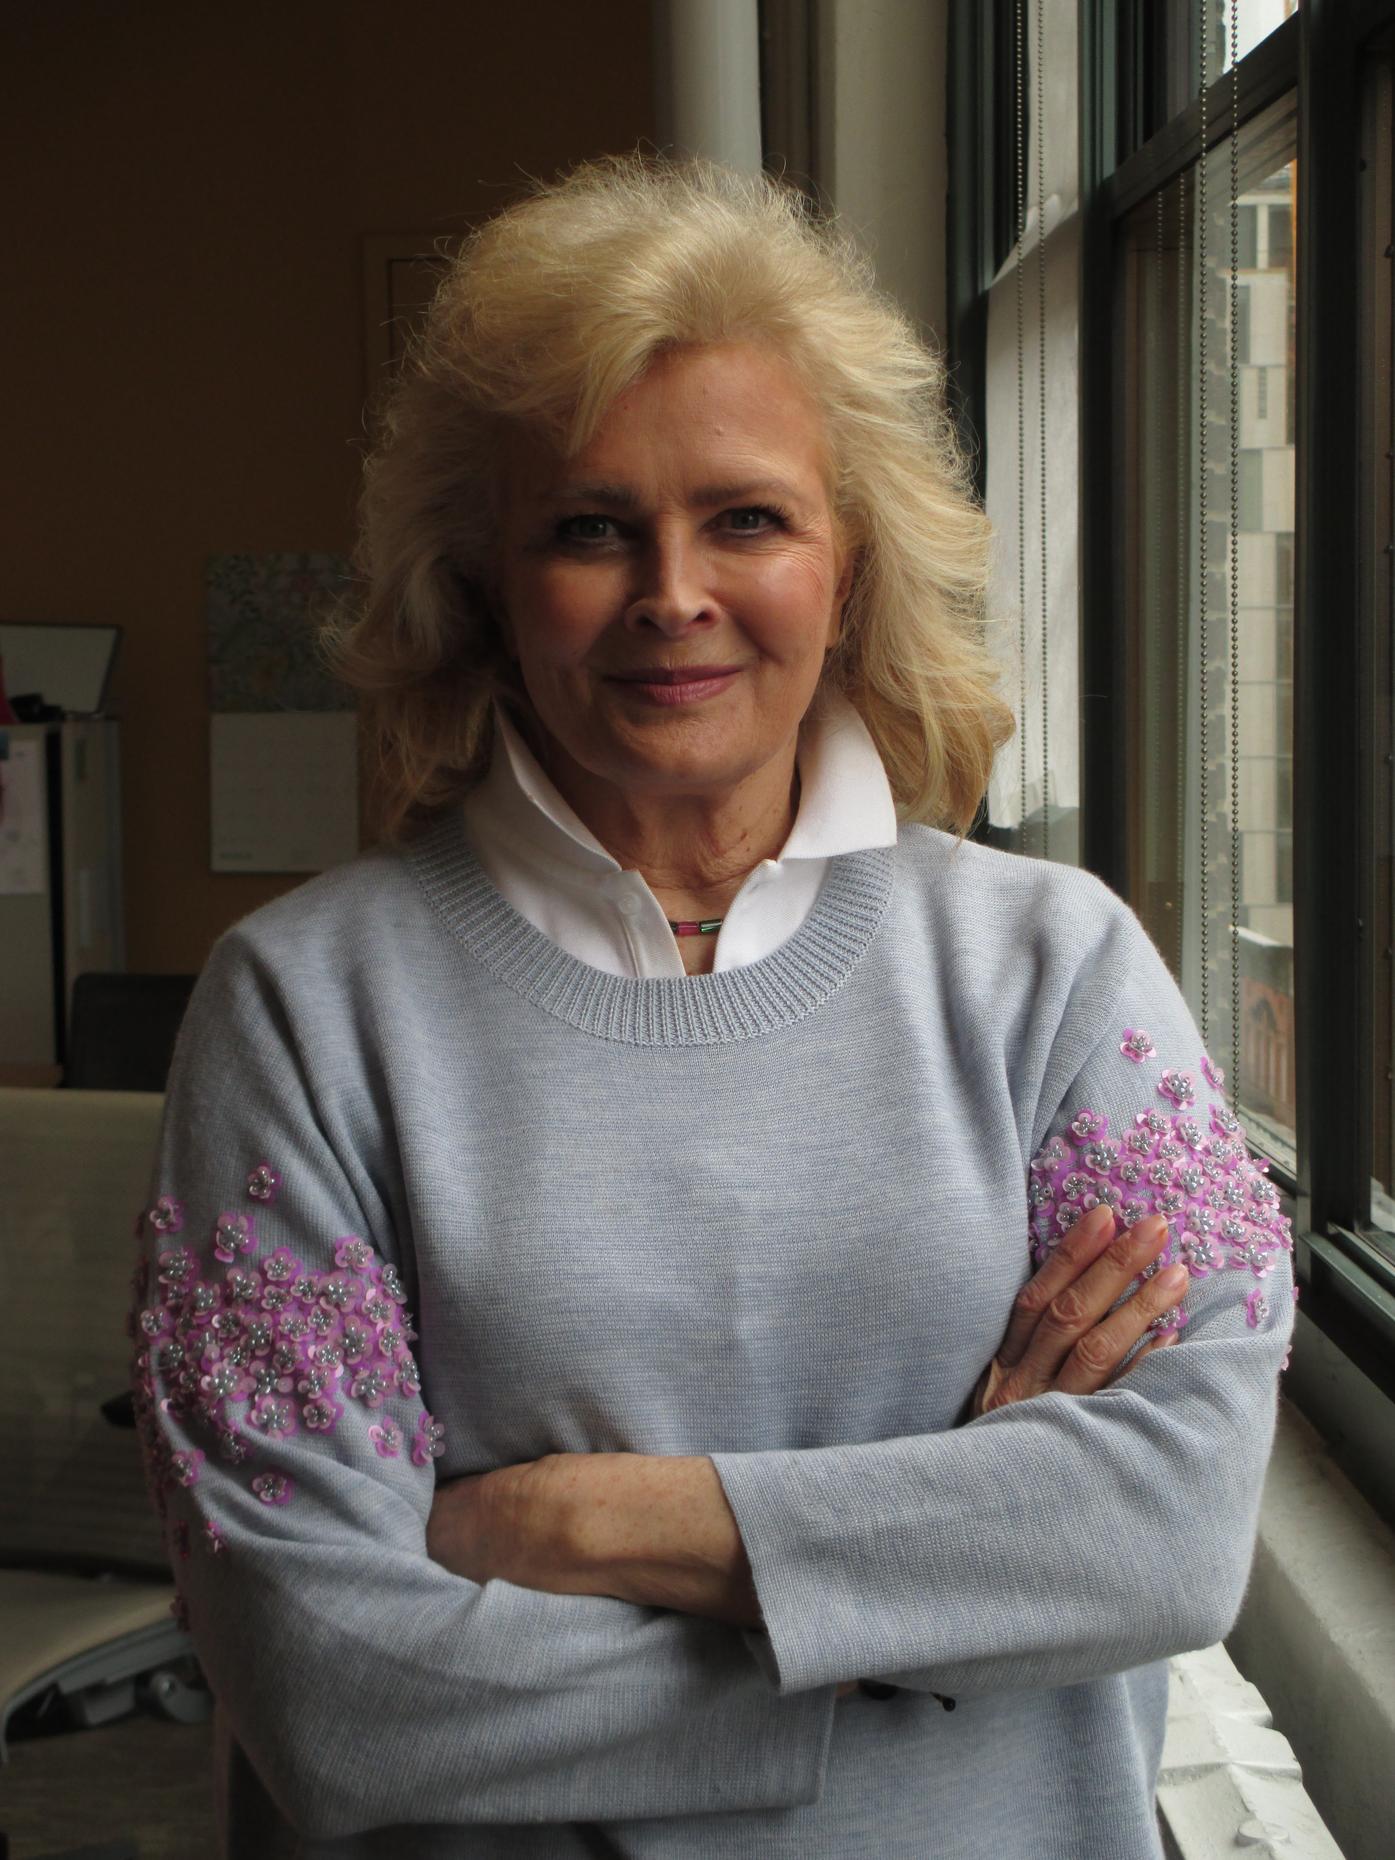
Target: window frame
x=1127, y=153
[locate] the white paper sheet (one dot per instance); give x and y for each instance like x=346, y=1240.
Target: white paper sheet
x=23, y=852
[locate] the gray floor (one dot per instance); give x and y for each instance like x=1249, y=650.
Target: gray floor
x=145, y=1778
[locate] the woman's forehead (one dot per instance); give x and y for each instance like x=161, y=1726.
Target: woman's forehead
x=724, y=421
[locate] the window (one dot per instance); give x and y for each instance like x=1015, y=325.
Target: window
x=1208, y=668
x=1237, y=595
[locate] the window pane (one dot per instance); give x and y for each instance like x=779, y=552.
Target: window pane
x=1162, y=38
x=1254, y=20
x=1247, y=232
x=1031, y=491
x=1211, y=833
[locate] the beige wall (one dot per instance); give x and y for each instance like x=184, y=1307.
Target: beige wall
x=184, y=201
x=882, y=141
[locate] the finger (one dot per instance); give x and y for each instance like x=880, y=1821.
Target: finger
x=1080, y=1307
x=1158, y=1343
x=1096, y=1358
x=1080, y=1248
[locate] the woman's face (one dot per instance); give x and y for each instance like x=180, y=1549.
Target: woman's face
x=693, y=532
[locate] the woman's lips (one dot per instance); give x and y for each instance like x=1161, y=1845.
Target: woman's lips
x=689, y=691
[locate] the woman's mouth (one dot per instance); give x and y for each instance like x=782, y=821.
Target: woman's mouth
x=680, y=686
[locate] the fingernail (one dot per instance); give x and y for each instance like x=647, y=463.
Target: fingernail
x=1151, y=1229
x=1174, y=1278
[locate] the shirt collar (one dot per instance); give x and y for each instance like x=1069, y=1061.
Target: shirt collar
x=845, y=799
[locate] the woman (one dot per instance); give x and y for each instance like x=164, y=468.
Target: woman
x=710, y=1100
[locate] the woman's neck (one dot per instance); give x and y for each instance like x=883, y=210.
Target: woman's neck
x=695, y=852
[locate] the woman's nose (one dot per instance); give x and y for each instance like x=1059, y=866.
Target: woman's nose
x=670, y=591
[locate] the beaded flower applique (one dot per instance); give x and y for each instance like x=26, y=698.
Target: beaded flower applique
x=1190, y=1166
x=266, y=1348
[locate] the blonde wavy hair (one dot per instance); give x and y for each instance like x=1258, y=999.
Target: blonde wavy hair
x=547, y=313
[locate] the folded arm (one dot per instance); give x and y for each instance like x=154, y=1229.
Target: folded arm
x=291, y=1453
x=1067, y=1536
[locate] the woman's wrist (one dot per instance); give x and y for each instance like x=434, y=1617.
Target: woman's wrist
x=656, y=1530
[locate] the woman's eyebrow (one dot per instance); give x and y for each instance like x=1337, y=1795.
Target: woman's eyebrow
x=620, y=497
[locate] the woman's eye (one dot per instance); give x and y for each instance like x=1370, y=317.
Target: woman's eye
x=765, y=515
x=585, y=528
x=744, y=520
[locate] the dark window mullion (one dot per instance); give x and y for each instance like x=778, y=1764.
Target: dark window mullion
x=1332, y=821
x=1269, y=72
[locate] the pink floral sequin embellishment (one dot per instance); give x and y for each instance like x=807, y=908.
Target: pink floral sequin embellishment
x=186, y=1466
x=370, y=1385
x=430, y=1442
x=1256, y=1309
x=1179, y=1088
x=1222, y=1214
x=387, y=1437
x=274, y=1416
x=263, y=1183
x=167, y=1216
x=213, y=1536
x=273, y=1488
x=233, y=1234
x=1211, y=1072
x=265, y=1350
x=1172, y=1319
x=1137, y=1046
x=320, y=1413
x=352, y=1254
x=177, y=1268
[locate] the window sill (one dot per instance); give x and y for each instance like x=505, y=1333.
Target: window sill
x=1316, y=1634
x=1228, y=1779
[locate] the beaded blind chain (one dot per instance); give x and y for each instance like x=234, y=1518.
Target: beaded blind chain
x=1038, y=104
x=1234, y=555
x=1233, y=565
x=1040, y=93
x=1203, y=742
x=1180, y=753
x=1021, y=178
x=1156, y=529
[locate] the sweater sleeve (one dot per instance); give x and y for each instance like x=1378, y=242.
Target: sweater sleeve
x=1068, y=1536
x=291, y=1454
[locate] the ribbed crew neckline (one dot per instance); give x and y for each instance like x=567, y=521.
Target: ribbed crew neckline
x=691, y=1010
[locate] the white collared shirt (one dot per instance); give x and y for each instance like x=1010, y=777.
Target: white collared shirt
x=555, y=872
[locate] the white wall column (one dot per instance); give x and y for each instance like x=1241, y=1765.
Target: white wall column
x=880, y=136
x=707, y=79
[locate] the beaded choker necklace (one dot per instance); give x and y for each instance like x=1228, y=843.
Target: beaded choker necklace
x=707, y=926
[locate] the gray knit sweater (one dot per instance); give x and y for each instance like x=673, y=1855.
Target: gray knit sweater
x=434, y=1196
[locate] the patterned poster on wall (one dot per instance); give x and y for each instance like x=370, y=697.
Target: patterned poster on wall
x=282, y=733
x=262, y=613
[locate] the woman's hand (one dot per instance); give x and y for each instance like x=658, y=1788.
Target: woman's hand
x=1059, y=1336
